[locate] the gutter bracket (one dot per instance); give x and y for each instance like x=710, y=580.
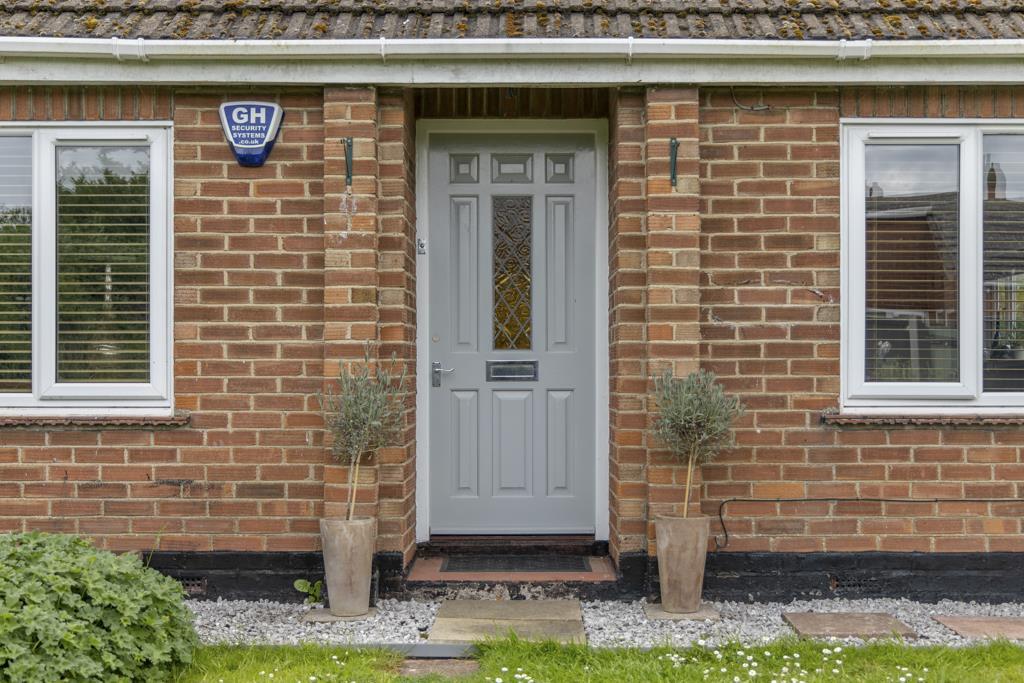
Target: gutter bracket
x=383, y=50
x=629, y=51
x=122, y=49
x=844, y=51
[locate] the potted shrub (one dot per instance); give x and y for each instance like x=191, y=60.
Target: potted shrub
x=694, y=423
x=363, y=416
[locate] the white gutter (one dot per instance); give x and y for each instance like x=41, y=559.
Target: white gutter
x=524, y=48
x=472, y=61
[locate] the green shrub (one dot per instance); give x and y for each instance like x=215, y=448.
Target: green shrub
x=71, y=612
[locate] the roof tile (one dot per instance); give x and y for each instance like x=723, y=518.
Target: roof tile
x=347, y=19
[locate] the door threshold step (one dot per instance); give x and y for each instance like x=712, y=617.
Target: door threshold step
x=508, y=568
x=514, y=545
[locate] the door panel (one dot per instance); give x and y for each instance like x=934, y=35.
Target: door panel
x=559, y=418
x=559, y=290
x=465, y=430
x=465, y=283
x=511, y=248
x=513, y=442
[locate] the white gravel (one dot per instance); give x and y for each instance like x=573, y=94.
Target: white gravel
x=276, y=623
x=610, y=624
x=607, y=623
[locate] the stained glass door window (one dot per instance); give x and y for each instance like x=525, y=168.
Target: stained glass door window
x=513, y=254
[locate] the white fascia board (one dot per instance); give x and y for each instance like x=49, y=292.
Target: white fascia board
x=521, y=61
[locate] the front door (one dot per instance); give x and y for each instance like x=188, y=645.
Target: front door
x=511, y=345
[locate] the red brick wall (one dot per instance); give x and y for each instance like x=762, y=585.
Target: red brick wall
x=770, y=327
x=246, y=474
x=284, y=272
x=397, y=272
x=627, y=315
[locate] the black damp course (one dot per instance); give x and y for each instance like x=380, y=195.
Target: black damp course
x=735, y=576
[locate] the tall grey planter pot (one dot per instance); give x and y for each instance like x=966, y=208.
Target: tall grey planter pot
x=348, y=560
x=682, y=552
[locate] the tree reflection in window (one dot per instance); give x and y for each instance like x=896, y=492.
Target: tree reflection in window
x=103, y=264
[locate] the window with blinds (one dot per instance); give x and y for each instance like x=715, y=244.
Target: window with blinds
x=103, y=287
x=15, y=264
x=1003, y=276
x=85, y=269
x=912, y=254
x=933, y=249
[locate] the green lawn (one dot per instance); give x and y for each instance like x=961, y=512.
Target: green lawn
x=549, y=663
x=285, y=664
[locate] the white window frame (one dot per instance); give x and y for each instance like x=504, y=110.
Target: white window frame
x=48, y=396
x=925, y=398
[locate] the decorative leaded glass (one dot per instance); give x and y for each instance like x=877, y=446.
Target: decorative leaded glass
x=513, y=233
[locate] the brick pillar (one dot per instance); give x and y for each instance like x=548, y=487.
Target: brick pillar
x=673, y=275
x=397, y=279
x=627, y=263
x=351, y=285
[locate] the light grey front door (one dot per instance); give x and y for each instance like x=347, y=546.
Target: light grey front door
x=512, y=268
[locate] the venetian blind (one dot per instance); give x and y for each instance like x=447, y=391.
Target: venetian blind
x=912, y=271
x=1003, y=207
x=103, y=264
x=15, y=265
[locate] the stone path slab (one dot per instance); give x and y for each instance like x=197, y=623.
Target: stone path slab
x=847, y=625
x=466, y=621
x=445, y=668
x=1011, y=628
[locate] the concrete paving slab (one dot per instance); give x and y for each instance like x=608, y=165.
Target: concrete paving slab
x=446, y=668
x=503, y=610
x=322, y=615
x=458, y=630
x=705, y=613
x=847, y=625
x=1011, y=628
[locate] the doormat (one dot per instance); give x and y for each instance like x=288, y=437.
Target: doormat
x=515, y=563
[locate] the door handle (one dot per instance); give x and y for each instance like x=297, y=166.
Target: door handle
x=435, y=373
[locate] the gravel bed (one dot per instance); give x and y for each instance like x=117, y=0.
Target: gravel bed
x=607, y=623
x=610, y=624
x=277, y=623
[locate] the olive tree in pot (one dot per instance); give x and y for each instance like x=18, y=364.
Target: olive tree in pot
x=364, y=415
x=694, y=423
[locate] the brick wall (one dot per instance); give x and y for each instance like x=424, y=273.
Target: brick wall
x=397, y=272
x=246, y=474
x=769, y=326
x=284, y=272
x=627, y=316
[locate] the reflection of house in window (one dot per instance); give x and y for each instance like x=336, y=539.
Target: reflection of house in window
x=912, y=287
x=1004, y=284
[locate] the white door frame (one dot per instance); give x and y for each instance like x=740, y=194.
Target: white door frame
x=599, y=129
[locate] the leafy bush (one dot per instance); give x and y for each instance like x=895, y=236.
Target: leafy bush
x=71, y=612
x=695, y=418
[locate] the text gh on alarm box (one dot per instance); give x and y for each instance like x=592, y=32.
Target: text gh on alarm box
x=251, y=129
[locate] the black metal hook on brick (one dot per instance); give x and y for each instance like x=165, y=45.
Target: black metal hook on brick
x=349, y=161
x=673, y=155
